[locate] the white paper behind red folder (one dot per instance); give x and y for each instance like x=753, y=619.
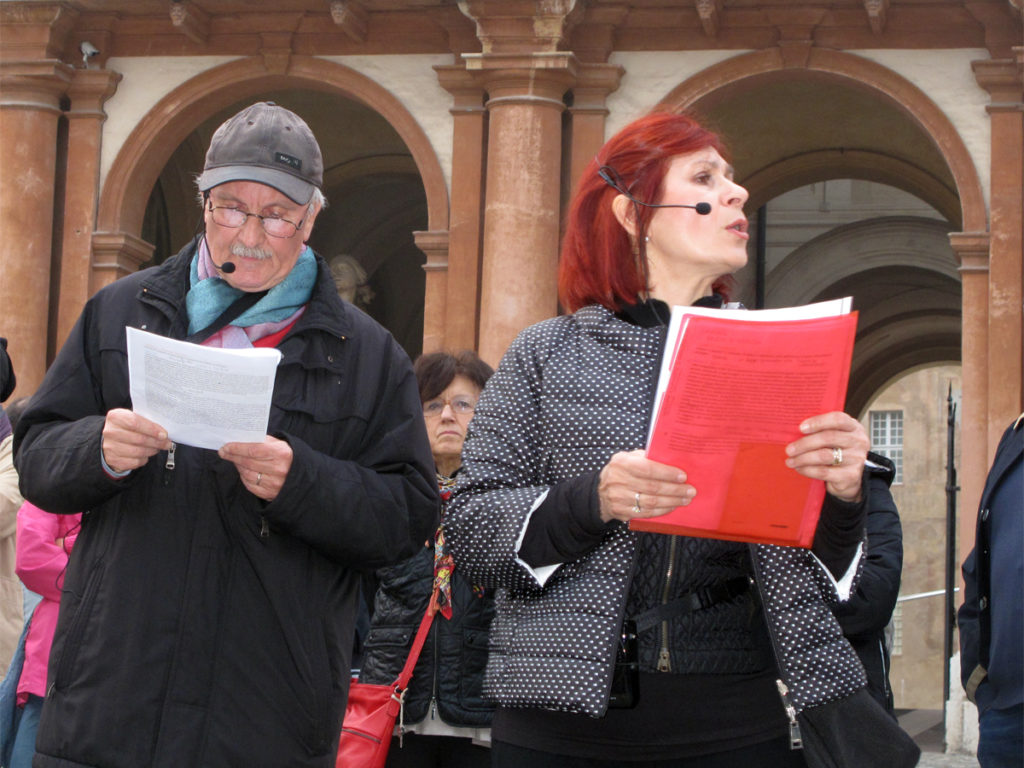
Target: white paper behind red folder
x=734, y=388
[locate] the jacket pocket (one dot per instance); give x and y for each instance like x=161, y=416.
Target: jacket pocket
x=75, y=632
x=473, y=662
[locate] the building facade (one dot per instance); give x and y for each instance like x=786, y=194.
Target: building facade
x=882, y=142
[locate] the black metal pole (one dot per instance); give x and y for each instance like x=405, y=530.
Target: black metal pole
x=949, y=612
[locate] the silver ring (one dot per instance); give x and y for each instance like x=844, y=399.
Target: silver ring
x=636, y=504
x=837, y=457
x=259, y=477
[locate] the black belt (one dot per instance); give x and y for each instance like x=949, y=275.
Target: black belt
x=697, y=600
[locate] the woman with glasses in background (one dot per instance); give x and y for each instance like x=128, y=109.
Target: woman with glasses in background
x=447, y=722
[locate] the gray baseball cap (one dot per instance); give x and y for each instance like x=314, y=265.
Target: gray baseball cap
x=267, y=144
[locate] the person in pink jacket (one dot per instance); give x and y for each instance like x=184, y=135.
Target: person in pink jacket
x=44, y=543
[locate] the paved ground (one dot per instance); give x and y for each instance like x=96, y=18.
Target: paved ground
x=939, y=760
x=926, y=728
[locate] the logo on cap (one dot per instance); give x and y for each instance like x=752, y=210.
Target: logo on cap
x=291, y=162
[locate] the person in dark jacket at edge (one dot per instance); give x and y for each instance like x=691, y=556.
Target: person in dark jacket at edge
x=446, y=721
x=865, y=616
x=208, y=611
x=991, y=619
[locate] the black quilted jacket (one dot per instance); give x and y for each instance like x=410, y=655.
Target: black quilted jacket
x=450, y=672
x=553, y=642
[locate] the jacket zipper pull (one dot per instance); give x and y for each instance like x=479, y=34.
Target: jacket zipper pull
x=401, y=719
x=169, y=464
x=433, y=708
x=264, y=527
x=664, y=661
x=795, y=740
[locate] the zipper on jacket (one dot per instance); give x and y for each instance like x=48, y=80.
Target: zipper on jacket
x=664, y=658
x=795, y=740
x=264, y=527
x=169, y=464
x=437, y=652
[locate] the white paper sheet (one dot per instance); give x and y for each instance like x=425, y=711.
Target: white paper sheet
x=202, y=396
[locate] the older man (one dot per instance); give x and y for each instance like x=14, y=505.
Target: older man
x=208, y=611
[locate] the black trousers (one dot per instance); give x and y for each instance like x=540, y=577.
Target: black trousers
x=770, y=754
x=437, y=752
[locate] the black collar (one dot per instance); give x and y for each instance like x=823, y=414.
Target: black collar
x=654, y=312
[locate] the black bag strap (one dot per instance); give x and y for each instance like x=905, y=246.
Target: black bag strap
x=237, y=307
x=696, y=600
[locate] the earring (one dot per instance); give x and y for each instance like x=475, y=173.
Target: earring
x=647, y=238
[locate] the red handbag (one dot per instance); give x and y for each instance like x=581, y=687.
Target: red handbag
x=372, y=709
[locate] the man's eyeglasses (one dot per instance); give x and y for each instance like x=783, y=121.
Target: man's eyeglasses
x=234, y=218
x=460, y=405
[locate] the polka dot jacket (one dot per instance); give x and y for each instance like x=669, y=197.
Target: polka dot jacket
x=570, y=392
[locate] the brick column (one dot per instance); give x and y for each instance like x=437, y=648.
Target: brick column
x=521, y=210
x=459, y=307
x=972, y=251
x=30, y=93
x=434, y=245
x=588, y=112
x=89, y=89
x=1003, y=80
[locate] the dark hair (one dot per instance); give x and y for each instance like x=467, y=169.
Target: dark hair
x=436, y=370
x=597, y=264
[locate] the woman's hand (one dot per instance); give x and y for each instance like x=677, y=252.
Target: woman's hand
x=631, y=485
x=833, y=449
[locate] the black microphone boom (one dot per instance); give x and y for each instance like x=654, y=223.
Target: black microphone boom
x=605, y=172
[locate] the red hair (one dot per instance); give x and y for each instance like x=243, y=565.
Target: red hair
x=598, y=265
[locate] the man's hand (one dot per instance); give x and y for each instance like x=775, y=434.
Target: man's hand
x=261, y=466
x=129, y=440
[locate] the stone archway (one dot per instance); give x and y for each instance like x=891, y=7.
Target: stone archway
x=116, y=247
x=902, y=273
x=708, y=89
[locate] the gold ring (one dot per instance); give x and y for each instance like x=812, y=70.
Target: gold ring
x=636, y=504
x=259, y=477
x=837, y=457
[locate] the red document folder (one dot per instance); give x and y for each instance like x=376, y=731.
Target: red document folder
x=735, y=387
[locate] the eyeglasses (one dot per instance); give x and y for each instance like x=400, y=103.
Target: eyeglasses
x=460, y=405
x=234, y=218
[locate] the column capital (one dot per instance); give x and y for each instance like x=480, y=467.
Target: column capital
x=36, y=84
x=434, y=244
x=593, y=84
x=521, y=26
x=35, y=30
x=89, y=91
x=465, y=86
x=971, y=250
x=116, y=254
x=1004, y=81
x=538, y=78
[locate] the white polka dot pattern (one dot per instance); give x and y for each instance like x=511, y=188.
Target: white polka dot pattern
x=569, y=393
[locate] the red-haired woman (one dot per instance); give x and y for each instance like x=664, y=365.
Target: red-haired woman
x=554, y=468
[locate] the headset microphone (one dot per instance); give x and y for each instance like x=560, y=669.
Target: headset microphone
x=606, y=172
x=229, y=266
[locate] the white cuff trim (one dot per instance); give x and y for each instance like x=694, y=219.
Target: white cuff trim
x=843, y=586
x=542, y=573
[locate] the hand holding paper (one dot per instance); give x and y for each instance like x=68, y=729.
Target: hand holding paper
x=262, y=467
x=129, y=440
x=734, y=389
x=202, y=396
